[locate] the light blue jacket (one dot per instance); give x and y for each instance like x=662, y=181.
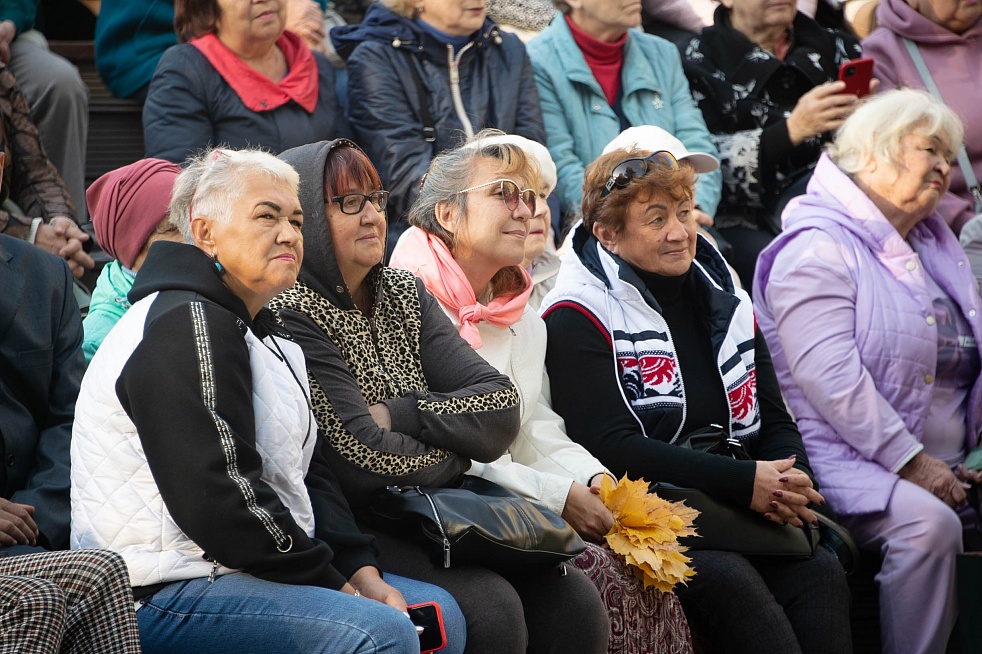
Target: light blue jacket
x=108, y=305
x=580, y=123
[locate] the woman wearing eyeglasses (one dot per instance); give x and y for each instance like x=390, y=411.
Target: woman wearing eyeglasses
x=402, y=399
x=649, y=340
x=467, y=243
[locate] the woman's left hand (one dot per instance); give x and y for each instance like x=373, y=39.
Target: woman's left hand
x=368, y=582
x=783, y=494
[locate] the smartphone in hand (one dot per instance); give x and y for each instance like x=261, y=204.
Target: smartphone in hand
x=857, y=74
x=433, y=636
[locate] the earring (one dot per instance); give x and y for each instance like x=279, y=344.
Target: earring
x=218, y=266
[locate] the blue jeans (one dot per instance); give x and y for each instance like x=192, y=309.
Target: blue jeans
x=240, y=613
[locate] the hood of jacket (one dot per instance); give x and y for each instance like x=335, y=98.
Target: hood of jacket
x=173, y=266
x=900, y=18
x=319, y=271
x=384, y=25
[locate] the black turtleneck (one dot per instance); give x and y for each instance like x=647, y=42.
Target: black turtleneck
x=589, y=397
x=693, y=347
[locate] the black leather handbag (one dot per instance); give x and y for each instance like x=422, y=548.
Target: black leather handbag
x=478, y=523
x=730, y=528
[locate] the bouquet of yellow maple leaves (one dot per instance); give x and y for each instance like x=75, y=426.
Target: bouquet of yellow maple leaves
x=646, y=532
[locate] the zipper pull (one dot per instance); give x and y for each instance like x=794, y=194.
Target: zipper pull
x=214, y=571
x=446, y=553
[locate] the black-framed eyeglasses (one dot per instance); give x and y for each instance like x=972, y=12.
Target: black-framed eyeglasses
x=353, y=203
x=635, y=167
x=510, y=194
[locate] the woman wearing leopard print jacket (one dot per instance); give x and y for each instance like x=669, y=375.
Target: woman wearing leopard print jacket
x=402, y=399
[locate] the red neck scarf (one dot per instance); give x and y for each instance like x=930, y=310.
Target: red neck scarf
x=604, y=59
x=258, y=92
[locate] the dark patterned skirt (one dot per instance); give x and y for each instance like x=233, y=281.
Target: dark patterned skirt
x=642, y=621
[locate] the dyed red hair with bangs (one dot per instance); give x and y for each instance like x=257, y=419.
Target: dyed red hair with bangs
x=349, y=170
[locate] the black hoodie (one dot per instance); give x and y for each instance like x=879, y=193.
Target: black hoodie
x=447, y=404
x=160, y=390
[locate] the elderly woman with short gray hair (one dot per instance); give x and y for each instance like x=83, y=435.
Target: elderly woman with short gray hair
x=886, y=386
x=194, y=437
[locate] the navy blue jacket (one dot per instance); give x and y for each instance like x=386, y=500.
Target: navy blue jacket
x=497, y=87
x=190, y=107
x=41, y=367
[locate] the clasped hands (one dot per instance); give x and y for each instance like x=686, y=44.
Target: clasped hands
x=782, y=493
x=62, y=237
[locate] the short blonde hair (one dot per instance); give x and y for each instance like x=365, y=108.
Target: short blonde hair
x=874, y=131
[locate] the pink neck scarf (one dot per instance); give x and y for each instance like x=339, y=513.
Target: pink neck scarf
x=429, y=259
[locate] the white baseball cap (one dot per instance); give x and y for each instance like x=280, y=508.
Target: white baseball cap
x=649, y=137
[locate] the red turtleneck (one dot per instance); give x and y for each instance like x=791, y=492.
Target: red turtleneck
x=604, y=59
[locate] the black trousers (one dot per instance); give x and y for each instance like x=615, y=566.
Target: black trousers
x=556, y=611
x=762, y=605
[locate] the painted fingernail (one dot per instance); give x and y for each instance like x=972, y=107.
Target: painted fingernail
x=783, y=480
x=778, y=493
x=815, y=522
x=821, y=502
x=793, y=456
x=773, y=505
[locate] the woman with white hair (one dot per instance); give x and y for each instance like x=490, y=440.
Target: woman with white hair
x=194, y=437
x=885, y=385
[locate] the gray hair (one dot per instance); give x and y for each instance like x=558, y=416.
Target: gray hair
x=535, y=150
x=874, y=131
x=450, y=172
x=211, y=184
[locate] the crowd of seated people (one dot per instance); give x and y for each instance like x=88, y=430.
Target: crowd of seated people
x=336, y=271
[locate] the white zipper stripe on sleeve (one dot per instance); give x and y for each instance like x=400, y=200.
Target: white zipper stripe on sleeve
x=206, y=370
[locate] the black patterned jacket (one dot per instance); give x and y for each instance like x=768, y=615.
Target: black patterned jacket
x=746, y=94
x=30, y=180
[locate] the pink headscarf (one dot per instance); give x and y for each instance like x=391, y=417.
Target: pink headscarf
x=127, y=205
x=428, y=258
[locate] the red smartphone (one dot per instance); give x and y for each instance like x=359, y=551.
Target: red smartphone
x=427, y=616
x=857, y=75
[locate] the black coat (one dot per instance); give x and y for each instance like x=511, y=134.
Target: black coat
x=746, y=95
x=497, y=88
x=41, y=367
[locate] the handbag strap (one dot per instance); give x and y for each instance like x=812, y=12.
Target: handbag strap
x=970, y=180
x=429, y=131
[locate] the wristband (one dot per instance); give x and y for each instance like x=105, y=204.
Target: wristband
x=33, y=234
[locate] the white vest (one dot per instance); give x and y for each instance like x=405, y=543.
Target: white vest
x=644, y=352
x=115, y=502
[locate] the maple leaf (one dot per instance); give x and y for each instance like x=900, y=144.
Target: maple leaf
x=646, y=532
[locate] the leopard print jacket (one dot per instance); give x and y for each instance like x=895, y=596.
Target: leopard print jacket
x=382, y=352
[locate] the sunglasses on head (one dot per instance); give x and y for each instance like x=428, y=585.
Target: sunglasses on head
x=510, y=194
x=636, y=167
x=353, y=203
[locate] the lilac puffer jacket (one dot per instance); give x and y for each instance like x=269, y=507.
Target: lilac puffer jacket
x=845, y=305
